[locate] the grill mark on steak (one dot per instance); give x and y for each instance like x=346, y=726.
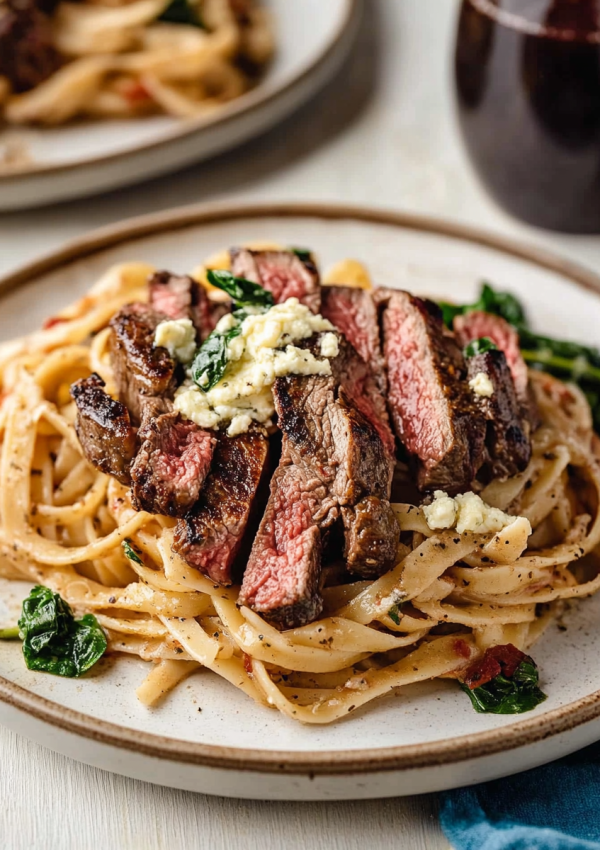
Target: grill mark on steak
x=332, y=457
x=141, y=370
x=171, y=465
x=181, y=297
x=431, y=405
x=214, y=534
x=507, y=442
x=282, y=273
x=103, y=428
x=27, y=54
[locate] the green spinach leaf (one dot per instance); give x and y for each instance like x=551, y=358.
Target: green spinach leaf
x=53, y=640
x=303, y=254
x=480, y=346
x=211, y=361
x=130, y=551
x=502, y=695
x=242, y=291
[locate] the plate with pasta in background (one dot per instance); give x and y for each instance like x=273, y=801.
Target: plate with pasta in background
x=300, y=502
x=92, y=99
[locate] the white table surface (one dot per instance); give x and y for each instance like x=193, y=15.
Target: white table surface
x=382, y=133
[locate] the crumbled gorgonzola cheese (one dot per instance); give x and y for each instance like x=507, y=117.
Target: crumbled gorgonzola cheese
x=178, y=336
x=263, y=351
x=482, y=385
x=466, y=512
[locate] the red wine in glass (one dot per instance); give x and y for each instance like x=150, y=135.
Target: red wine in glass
x=528, y=89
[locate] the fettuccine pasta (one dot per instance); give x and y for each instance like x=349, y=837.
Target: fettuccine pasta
x=448, y=598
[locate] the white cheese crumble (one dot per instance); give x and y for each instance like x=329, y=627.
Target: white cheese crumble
x=482, y=385
x=263, y=351
x=178, y=336
x=466, y=512
x=330, y=346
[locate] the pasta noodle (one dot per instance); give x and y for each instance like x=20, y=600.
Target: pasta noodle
x=62, y=524
x=117, y=61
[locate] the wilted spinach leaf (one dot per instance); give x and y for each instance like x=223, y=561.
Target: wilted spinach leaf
x=130, y=551
x=502, y=695
x=53, y=640
x=242, y=291
x=480, y=346
x=211, y=361
x=303, y=254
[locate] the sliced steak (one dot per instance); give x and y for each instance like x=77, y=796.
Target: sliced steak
x=477, y=324
x=354, y=314
x=372, y=534
x=181, y=297
x=141, y=370
x=212, y=535
x=507, y=442
x=432, y=407
x=104, y=428
x=27, y=54
x=171, y=465
x=281, y=579
x=361, y=385
x=332, y=458
x=283, y=273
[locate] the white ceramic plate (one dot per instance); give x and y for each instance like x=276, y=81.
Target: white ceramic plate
x=425, y=739
x=79, y=159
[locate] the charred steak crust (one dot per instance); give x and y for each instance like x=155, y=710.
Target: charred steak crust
x=283, y=273
x=356, y=377
x=171, y=465
x=478, y=324
x=141, y=370
x=104, y=428
x=371, y=537
x=211, y=536
x=432, y=407
x=181, y=297
x=507, y=442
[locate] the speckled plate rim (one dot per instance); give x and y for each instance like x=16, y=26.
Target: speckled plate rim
x=243, y=105
x=312, y=763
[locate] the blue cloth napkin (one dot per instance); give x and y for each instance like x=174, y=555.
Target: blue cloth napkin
x=555, y=807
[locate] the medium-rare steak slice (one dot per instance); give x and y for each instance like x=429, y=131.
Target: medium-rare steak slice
x=141, y=370
x=181, y=297
x=104, y=428
x=283, y=273
x=432, y=407
x=351, y=372
x=478, y=324
x=332, y=458
x=211, y=535
x=372, y=533
x=281, y=580
x=171, y=465
x=325, y=430
x=507, y=442
x=354, y=314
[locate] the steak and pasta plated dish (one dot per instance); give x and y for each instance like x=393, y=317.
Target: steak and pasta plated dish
x=67, y=59
x=320, y=490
